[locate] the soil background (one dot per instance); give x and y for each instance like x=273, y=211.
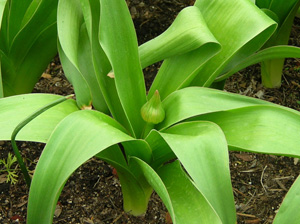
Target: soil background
x=93, y=193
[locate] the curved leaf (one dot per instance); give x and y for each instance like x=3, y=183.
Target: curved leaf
x=275, y=52
x=114, y=19
x=202, y=46
x=40, y=128
x=288, y=211
x=77, y=138
x=193, y=101
x=81, y=88
x=76, y=53
x=262, y=129
x=201, y=147
x=182, y=199
x=69, y=24
x=249, y=29
x=101, y=64
x=188, y=32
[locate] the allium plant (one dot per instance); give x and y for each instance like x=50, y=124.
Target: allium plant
x=173, y=140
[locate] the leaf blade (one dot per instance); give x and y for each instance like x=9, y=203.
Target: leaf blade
x=62, y=157
x=125, y=61
x=170, y=182
x=201, y=147
x=10, y=116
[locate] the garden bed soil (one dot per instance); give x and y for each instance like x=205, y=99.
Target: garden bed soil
x=93, y=193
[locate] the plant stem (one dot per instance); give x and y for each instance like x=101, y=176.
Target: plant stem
x=21, y=125
x=271, y=72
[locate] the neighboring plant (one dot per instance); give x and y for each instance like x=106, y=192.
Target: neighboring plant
x=11, y=172
x=28, y=39
x=174, y=140
x=275, y=50
x=283, y=12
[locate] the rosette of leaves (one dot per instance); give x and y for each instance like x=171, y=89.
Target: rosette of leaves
x=184, y=157
x=28, y=42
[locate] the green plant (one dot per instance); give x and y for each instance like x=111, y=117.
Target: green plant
x=11, y=173
x=283, y=13
x=275, y=50
x=184, y=125
x=28, y=38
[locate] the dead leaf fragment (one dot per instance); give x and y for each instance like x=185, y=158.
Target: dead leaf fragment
x=3, y=178
x=244, y=157
x=46, y=76
x=168, y=218
x=16, y=218
x=58, y=210
x=87, y=221
x=111, y=75
x=115, y=173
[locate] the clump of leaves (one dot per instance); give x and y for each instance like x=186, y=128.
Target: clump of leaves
x=175, y=143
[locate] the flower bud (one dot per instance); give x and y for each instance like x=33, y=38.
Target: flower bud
x=152, y=111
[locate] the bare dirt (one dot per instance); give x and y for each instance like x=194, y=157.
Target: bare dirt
x=93, y=193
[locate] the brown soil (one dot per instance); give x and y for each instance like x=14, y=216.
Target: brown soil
x=93, y=193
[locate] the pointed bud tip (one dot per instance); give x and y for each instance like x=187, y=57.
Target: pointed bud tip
x=152, y=111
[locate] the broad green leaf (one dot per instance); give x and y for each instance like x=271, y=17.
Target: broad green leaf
x=86, y=66
x=183, y=200
x=201, y=148
x=265, y=129
x=69, y=22
x=270, y=53
x=193, y=101
x=81, y=88
x=117, y=32
x=91, y=11
x=249, y=29
x=289, y=209
x=77, y=55
x=188, y=32
x=70, y=25
x=197, y=38
x=77, y=138
x=40, y=128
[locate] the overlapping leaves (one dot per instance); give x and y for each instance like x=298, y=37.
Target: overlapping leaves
x=200, y=124
x=28, y=37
